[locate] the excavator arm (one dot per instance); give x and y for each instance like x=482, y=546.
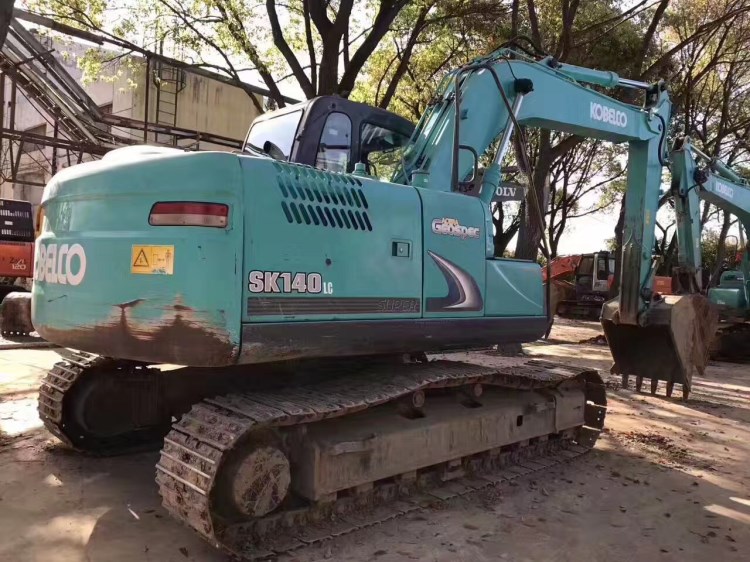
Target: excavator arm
x=715, y=183
x=477, y=108
x=479, y=105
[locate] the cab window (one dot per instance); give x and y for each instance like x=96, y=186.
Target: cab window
x=586, y=266
x=334, y=150
x=602, y=270
x=278, y=130
x=382, y=150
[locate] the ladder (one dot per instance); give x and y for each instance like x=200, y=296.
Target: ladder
x=169, y=81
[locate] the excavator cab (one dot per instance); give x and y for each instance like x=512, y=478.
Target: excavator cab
x=592, y=277
x=730, y=295
x=332, y=133
x=731, y=298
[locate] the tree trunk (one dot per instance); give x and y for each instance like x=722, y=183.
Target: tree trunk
x=328, y=70
x=502, y=238
x=670, y=257
x=501, y=241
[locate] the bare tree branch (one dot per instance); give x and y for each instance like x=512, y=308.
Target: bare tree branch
x=387, y=12
x=286, y=51
x=405, y=57
x=310, y=45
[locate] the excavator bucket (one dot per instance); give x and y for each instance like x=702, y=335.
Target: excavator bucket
x=16, y=315
x=670, y=347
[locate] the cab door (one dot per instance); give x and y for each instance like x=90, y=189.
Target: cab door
x=601, y=273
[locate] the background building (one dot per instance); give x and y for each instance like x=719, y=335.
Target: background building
x=51, y=120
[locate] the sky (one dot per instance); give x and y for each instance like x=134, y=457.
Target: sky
x=588, y=234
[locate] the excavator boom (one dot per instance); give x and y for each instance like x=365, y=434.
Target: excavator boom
x=562, y=266
x=697, y=177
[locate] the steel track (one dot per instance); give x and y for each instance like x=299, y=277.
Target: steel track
x=201, y=443
x=58, y=414
x=56, y=384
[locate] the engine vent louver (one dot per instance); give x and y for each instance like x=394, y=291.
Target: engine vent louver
x=318, y=198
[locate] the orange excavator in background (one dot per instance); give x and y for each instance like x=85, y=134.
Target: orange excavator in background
x=582, y=282
x=17, y=237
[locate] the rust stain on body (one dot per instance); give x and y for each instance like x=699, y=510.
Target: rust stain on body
x=180, y=337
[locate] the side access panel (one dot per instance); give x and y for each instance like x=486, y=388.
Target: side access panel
x=321, y=246
x=454, y=255
x=514, y=288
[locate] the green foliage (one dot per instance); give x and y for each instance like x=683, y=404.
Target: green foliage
x=442, y=34
x=710, y=249
x=407, y=48
x=316, y=45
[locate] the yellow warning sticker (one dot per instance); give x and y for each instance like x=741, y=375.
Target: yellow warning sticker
x=152, y=260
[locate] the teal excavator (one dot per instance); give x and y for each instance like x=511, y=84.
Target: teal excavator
x=695, y=177
x=718, y=184
x=303, y=306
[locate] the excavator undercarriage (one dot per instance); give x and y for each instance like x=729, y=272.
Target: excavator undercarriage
x=257, y=469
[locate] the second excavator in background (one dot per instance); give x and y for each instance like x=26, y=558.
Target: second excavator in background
x=17, y=235
x=581, y=283
x=700, y=177
x=697, y=177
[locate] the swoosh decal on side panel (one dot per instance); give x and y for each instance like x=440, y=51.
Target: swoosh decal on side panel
x=463, y=292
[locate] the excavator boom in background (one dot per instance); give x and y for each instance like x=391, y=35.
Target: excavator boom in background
x=715, y=183
x=303, y=303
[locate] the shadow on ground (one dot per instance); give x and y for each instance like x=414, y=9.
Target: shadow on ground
x=646, y=493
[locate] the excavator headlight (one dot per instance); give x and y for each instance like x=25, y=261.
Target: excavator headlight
x=185, y=213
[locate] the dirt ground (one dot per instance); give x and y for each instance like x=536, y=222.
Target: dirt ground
x=667, y=481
